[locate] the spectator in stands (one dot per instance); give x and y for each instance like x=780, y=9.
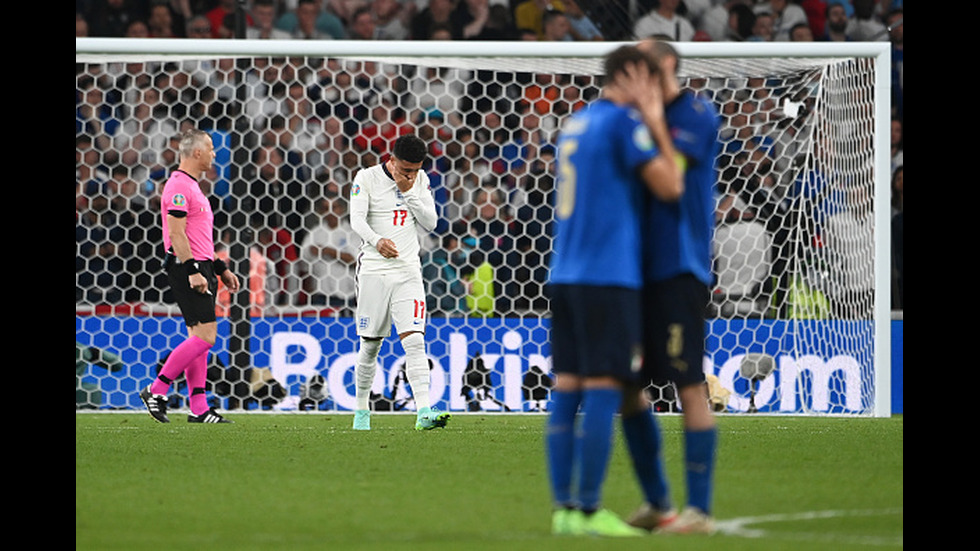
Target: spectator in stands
x=762, y=27
x=446, y=271
x=440, y=31
x=664, y=20
x=95, y=116
x=217, y=14
x=391, y=19
x=267, y=190
x=145, y=130
x=125, y=200
x=837, y=22
x=529, y=15
x=582, y=27
x=276, y=244
x=816, y=15
x=527, y=35
x=101, y=275
x=491, y=222
x=344, y=9
x=555, y=26
x=264, y=22
x=499, y=25
x=328, y=257
x=264, y=284
x=866, y=26
x=307, y=26
x=330, y=142
x=81, y=26
x=436, y=15
x=716, y=20
x=531, y=230
x=801, y=33
x=898, y=190
x=786, y=14
x=198, y=26
x=327, y=22
x=386, y=124
x=111, y=18
x=522, y=145
x=90, y=176
x=469, y=18
x=741, y=21
x=362, y=25
x=161, y=21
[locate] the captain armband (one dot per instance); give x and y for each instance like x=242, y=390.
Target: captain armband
x=681, y=161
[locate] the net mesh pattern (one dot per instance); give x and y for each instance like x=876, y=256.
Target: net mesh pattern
x=793, y=245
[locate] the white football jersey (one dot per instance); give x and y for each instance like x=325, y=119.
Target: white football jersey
x=378, y=209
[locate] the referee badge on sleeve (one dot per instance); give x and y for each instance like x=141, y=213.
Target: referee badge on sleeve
x=180, y=200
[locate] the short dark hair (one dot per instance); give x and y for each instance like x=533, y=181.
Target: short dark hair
x=409, y=148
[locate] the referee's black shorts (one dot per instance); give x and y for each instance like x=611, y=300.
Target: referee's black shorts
x=675, y=330
x=194, y=306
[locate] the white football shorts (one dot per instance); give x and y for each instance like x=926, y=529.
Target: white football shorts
x=383, y=299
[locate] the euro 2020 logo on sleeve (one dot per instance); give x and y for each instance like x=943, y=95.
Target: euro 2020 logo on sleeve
x=180, y=200
x=642, y=138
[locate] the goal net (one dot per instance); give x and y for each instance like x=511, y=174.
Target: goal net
x=797, y=323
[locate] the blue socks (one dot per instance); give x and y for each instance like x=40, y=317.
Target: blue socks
x=594, y=445
x=560, y=443
x=699, y=463
x=588, y=449
x=644, y=440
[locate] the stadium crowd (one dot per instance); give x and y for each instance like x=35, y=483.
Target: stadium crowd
x=492, y=174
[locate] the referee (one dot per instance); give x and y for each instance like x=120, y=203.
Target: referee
x=193, y=273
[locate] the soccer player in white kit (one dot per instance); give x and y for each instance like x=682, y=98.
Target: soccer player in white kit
x=389, y=202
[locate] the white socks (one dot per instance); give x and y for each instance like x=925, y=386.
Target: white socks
x=367, y=365
x=417, y=368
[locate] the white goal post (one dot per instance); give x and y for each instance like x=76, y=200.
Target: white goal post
x=800, y=317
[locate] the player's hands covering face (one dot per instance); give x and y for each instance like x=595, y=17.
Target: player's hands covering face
x=642, y=88
x=404, y=173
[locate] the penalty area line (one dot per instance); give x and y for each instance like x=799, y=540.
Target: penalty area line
x=746, y=527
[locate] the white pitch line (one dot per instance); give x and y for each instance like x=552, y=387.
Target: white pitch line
x=743, y=527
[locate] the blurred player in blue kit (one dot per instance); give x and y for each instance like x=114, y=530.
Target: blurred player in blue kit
x=611, y=155
x=678, y=276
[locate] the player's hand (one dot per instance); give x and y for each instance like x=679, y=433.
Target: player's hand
x=198, y=283
x=403, y=182
x=642, y=89
x=387, y=248
x=230, y=280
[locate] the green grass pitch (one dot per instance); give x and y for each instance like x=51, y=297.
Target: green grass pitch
x=296, y=482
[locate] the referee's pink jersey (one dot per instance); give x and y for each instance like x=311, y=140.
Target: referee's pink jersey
x=183, y=193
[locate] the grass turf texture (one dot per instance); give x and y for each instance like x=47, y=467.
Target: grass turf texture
x=307, y=481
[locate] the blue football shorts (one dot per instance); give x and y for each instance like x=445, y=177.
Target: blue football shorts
x=596, y=331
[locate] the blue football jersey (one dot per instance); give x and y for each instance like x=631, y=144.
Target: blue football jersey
x=599, y=197
x=678, y=235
